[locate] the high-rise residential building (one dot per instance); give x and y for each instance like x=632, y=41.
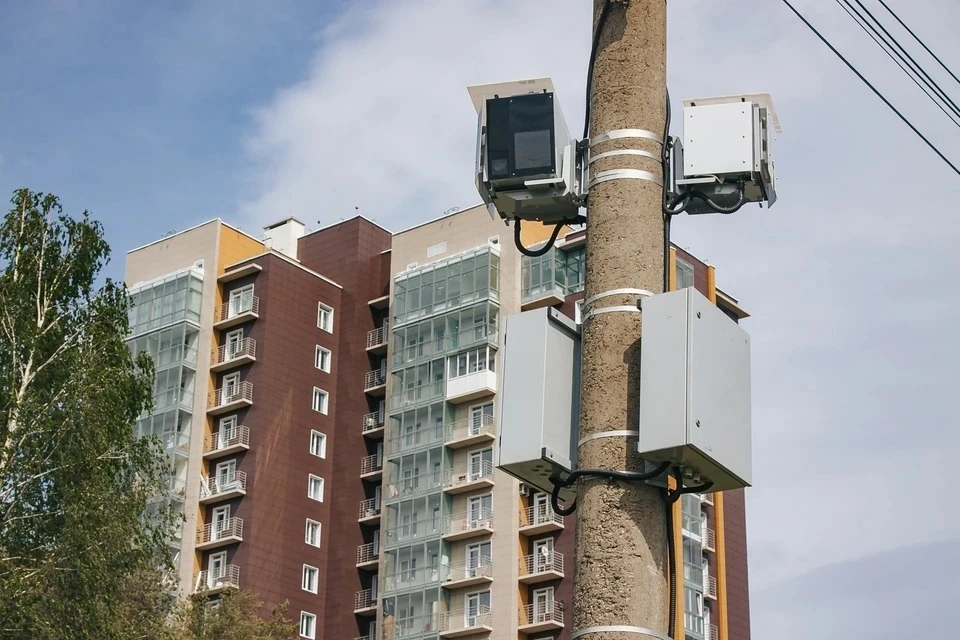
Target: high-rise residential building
x=342, y=454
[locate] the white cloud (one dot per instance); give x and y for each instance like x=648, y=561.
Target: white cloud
x=849, y=277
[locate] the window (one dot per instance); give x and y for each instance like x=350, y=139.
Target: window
x=308, y=625
x=322, y=359
x=231, y=388
x=315, y=488
x=312, y=536
x=216, y=569
x=219, y=522
x=542, y=605
x=241, y=301
x=234, y=344
x=472, y=361
x=478, y=607
x=318, y=444
x=310, y=578
x=684, y=274
x=321, y=400
x=325, y=317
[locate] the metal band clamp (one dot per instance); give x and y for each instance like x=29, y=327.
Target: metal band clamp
x=620, y=628
x=618, y=134
x=643, y=293
x=617, y=309
x=626, y=174
x=608, y=434
x=624, y=152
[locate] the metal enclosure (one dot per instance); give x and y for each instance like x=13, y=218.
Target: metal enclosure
x=695, y=389
x=726, y=141
x=539, y=397
x=525, y=113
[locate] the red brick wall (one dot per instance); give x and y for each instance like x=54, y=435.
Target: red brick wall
x=738, y=592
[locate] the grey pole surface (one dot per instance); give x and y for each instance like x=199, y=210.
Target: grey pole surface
x=621, y=543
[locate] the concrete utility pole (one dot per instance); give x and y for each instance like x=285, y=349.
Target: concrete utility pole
x=621, y=546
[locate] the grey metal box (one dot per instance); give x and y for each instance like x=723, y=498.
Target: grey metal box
x=695, y=388
x=539, y=397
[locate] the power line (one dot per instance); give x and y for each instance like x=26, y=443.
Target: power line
x=922, y=44
x=870, y=85
x=860, y=22
x=904, y=55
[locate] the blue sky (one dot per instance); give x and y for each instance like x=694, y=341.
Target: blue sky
x=158, y=119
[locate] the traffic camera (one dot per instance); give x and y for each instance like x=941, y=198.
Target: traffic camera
x=527, y=164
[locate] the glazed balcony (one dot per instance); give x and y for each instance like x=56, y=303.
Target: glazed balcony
x=224, y=443
x=230, y=398
x=471, y=386
x=235, y=312
x=213, y=535
x=469, y=432
x=233, y=355
x=539, y=518
x=540, y=567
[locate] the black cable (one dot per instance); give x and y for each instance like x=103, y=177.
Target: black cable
x=673, y=496
x=856, y=18
x=609, y=474
x=672, y=560
x=534, y=253
x=921, y=42
x=742, y=200
x=896, y=49
x=871, y=87
x=594, y=45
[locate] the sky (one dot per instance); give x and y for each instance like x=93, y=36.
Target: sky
x=158, y=116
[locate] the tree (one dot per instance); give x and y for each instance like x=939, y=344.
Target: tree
x=236, y=615
x=82, y=538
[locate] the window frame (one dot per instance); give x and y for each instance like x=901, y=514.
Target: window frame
x=310, y=483
x=323, y=406
x=310, y=579
x=306, y=532
x=318, y=357
x=322, y=449
x=311, y=630
x=325, y=317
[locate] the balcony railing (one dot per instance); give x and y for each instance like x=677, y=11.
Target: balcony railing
x=378, y=337
x=714, y=633
x=541, y=563
x=213, y=487
x=461, y=525
x=474, y=618
x=540, y=515
x=222, y=440
x=369, y=552
x=706, y=498
x=543, y=613
x=478, y=570
x=240, y=392
x=463, y=476
x=212, y=532
x=246, y=348
x=372, y=421
x=227, y=576
x=709, y=539
x=371, y=464
x=374, y=379
x=711, y=588
x=364, y=599
x=237, y=308
x=473, y=428
x=368, y=508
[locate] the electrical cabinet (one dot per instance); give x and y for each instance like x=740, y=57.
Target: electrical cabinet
x=539, y=397
x=695, y=389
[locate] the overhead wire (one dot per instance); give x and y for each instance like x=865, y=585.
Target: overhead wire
x=897, y=49
x=921, y=42
x=870, y=85
x=860, y=22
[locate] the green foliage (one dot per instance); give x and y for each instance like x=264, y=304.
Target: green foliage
x=78, y=557
x=236, y=616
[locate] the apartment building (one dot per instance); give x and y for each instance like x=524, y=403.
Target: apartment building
x=329, y=403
